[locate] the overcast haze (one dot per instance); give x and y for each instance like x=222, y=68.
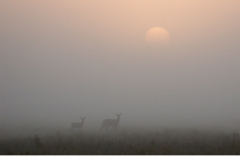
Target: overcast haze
x=62, y=60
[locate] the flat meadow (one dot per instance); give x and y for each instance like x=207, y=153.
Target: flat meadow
x=168, y=141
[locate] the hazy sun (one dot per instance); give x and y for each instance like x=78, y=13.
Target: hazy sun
x=157, y=36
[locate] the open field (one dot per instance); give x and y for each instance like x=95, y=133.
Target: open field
x=124, y=142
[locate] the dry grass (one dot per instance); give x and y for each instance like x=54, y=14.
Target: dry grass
x=166, y=142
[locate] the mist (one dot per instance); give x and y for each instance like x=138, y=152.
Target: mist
x=60, y=62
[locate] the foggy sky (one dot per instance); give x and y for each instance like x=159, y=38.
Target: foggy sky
x=62, y=60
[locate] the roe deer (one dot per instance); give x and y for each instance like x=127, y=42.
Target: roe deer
x=77, y=124
x=111, y=122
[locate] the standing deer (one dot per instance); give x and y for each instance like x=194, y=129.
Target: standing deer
x=78, y=125
x=111, y=122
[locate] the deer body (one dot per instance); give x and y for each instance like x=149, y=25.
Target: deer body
x=111, y=122
x=78, y=125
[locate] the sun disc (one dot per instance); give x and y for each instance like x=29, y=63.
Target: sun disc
x=157, y=36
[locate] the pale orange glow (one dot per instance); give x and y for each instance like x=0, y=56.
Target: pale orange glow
x=124, y=23
x=157, y=36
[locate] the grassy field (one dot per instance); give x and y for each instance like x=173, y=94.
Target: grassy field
x=164, y=142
